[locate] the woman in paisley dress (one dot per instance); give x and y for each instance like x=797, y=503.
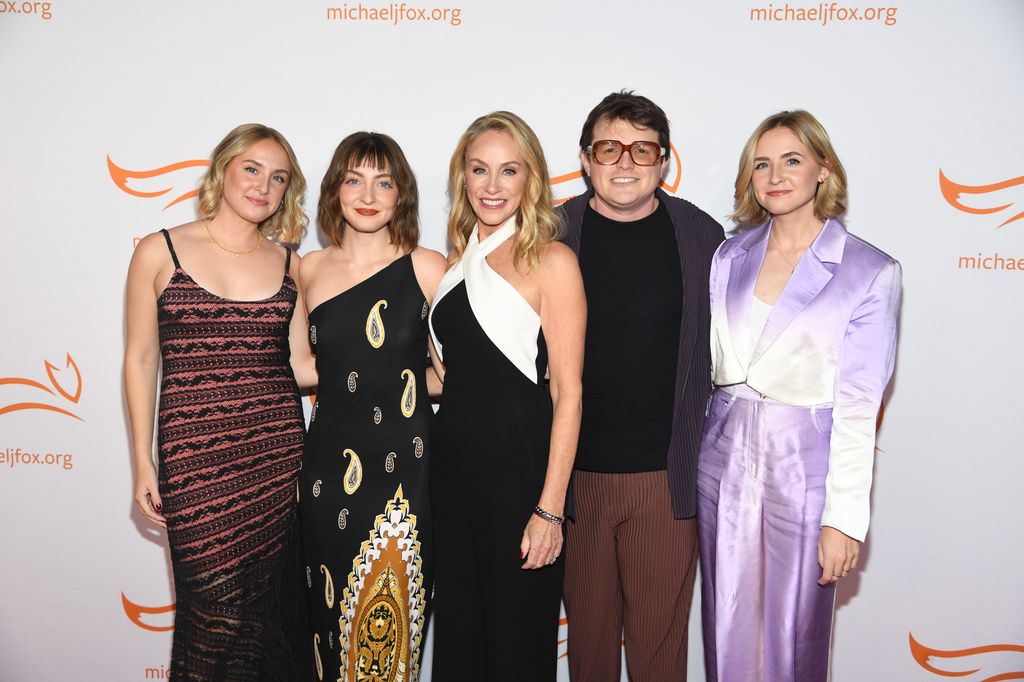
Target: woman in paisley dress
x=230, y=421
x=363, y=487
x=510, y=314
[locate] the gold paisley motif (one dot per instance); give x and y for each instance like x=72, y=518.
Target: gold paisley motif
x=389, y=463
x=424, y=310
x=409, y=394
x=352, y=381
x=316, y=657
x=312, y=334
x=417, y=447
x=316, y=487
x=376, y=415
x=375, y=325
x=354, y=472
x=342, y=519
x=328, y=587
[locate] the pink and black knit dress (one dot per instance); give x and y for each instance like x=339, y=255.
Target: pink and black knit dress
x=230, y=440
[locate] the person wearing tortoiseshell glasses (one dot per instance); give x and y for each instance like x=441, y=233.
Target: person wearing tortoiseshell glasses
x=631, y=546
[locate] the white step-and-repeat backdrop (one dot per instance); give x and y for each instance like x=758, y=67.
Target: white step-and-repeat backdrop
x=109, y=110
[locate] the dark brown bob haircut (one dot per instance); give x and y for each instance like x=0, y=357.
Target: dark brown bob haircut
x=636, y=109
x=381, y=152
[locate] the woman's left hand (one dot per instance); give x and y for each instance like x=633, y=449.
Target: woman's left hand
x=837, y=554
x=542, y=543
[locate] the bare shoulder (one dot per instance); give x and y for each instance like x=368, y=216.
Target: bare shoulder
x=428, y=261
x=151, y=251
x=557, y=261
x=429, y=267
x=311, y=261
x=295, y=263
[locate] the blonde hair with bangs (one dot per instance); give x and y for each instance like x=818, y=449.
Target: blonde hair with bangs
x=830, y=199
x=537, y=224
x=288, y=223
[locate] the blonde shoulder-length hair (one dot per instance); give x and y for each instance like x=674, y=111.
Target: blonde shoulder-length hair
x=537, y=224
x=830, y=199
x=288, y=223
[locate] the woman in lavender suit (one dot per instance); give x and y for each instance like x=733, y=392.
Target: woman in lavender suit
x=803, y=340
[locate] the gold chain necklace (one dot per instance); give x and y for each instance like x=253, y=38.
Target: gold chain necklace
x=788, y=262
x=259, y=242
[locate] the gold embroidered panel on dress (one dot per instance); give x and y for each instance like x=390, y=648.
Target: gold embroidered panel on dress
x=381, y=631
x=381, y=620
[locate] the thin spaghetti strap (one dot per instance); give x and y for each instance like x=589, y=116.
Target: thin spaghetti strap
x=170, y=247
x=287, y=260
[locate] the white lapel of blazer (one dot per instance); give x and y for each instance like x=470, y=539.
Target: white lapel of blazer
x=806, y=282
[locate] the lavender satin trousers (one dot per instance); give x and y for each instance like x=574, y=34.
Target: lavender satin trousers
x=760, y=494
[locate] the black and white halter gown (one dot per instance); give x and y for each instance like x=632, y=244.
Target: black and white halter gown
x=489, y=454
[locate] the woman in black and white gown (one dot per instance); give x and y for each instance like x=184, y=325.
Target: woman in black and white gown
x=507, y=325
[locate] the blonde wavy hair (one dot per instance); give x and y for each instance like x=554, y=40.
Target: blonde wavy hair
x=288, y=223
x=830, y=199
x=537, y=224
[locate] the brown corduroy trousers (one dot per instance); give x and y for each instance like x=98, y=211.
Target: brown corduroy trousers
x=630, y=568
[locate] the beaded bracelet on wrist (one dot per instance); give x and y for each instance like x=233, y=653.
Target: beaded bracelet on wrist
x=549, y=517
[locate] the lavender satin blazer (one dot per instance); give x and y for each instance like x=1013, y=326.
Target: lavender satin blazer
x=830, y=339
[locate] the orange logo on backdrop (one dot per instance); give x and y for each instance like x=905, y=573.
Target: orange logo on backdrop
x=121, y=176
x=136, y=611
x=953, y=193
x=924, y=655
x=51, y=372
x=670, y=185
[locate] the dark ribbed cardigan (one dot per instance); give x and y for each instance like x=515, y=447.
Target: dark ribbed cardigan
x=698, y=236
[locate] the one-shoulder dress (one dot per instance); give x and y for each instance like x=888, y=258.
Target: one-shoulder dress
x=490, y=439
x=230, y=441
x=363, y=487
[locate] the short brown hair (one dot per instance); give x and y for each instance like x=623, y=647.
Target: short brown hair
x=289, y=221
x=382, y=152
x=626, y=106
x=830, y=199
